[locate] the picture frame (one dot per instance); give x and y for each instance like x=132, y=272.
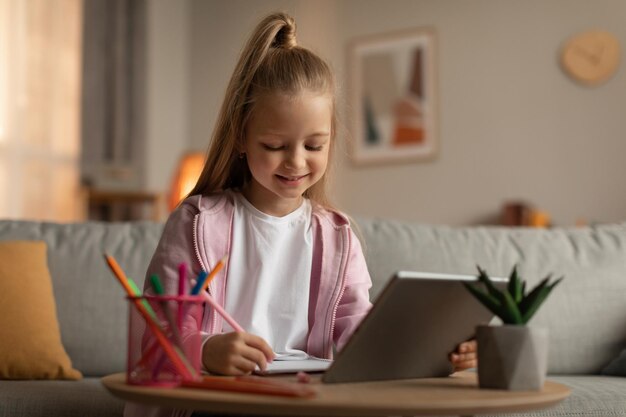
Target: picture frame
x=393, y=97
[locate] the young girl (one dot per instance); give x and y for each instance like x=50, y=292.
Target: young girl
x=296, y=279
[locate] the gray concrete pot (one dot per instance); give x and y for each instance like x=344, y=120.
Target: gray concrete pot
x=512, y=357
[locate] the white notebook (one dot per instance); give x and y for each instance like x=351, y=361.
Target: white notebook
x=290, y=363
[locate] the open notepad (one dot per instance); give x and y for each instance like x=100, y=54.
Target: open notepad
x=295, y=362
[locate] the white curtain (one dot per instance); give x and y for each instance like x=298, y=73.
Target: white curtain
x=113, y=96
x=40, y=79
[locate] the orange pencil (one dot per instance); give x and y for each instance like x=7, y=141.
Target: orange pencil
x=204, y=281
x=218, y=267
x=156, y=329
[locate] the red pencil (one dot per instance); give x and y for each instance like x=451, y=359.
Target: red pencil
x=253, y=385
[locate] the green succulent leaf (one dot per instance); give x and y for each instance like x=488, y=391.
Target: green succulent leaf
x=513, y=305
x=531, y=303
x=532, y=307
x=487, y=300
x=511, y=313
x=515, y=286
x=484, y=278
x=533, y=293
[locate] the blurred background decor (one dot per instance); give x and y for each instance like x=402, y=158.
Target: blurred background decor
x=187, y=173
x=393, y=97
x=523, y=214
x=113, y=84
x=40, y=86
x=103, y=98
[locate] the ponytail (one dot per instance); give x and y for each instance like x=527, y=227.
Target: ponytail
x=270, y=62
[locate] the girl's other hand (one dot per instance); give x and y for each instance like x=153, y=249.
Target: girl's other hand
x=464, y=357
x=236, y=353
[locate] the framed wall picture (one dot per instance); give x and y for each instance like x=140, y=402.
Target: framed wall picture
x=393, y=97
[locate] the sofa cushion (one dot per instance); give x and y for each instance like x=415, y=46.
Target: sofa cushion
x=31, y=347
x=86, y=397
x=91, y=308
x=585, y=314
x=593, y=396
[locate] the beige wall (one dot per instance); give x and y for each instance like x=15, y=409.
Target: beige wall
x=511, y=124
x=167, y=89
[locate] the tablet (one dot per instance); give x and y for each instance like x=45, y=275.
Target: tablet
x=417, y=320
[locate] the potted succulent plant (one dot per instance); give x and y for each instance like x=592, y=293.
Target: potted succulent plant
x=512, y=356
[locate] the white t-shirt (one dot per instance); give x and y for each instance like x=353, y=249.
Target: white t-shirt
x=269, y=274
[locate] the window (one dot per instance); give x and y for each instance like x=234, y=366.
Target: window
x=40, y=67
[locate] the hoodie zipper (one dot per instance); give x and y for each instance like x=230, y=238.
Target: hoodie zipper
x=204, y=268
x=195, y=241
x=342, y=273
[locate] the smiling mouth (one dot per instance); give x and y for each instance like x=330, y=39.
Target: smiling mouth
x=291, y=179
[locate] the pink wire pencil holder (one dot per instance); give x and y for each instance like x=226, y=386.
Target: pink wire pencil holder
x=164, y=341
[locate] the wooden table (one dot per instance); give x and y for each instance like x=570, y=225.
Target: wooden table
x=457, y=395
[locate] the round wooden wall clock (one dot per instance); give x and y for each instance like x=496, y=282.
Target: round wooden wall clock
x=591, y=57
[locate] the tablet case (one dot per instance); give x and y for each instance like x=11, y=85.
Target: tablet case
x=418, y=319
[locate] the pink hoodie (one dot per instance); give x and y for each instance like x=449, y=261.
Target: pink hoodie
x=199, y=232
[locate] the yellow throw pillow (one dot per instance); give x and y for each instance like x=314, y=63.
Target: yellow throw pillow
x=31, y=345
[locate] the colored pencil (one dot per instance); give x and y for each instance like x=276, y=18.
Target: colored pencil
x=158, y=289
x=252, y=385
x=176, y=348
x=207, y=279
x=182, y=271
x=204, y=281
x=200, y=283
x=154, y=326
x=222, y=312
x=174, y=326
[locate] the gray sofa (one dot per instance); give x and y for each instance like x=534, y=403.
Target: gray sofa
x=586, y=315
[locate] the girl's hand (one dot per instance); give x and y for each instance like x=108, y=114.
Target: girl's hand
x=236, y=353
x=464, y=357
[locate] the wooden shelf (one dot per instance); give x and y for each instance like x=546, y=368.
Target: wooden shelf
x=124, y=205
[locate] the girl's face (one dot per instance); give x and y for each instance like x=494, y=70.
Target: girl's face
x=286, y=144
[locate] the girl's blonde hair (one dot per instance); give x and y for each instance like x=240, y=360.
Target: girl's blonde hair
x=271, y=62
